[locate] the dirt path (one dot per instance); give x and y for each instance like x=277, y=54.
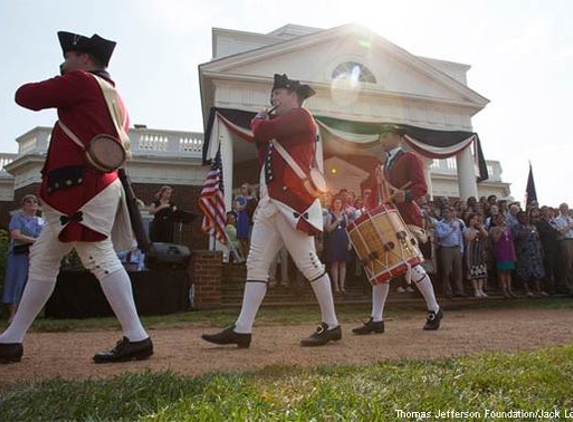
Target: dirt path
x=181, y=350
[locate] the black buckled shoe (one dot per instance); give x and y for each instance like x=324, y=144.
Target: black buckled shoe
x=125, y=351
x=11, y=352
x=369, y=327
x=433, y=320
x=228, y=336
x=322, y=335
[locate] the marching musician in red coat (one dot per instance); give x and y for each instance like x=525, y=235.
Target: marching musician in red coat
x=287, y=214
x=402, y=170
x=401, y=181
x=84, y=207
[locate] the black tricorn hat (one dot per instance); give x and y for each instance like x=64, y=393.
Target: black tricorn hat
x=282, y=81
x=97, y=46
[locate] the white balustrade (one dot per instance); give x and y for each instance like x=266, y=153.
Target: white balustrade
x=446, y=166
x=5, y=159
x=34, y=142
x=27, y=146
x=449, y=166
x=166, y=143
x=147, y=142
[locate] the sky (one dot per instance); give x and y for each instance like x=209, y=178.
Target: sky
x=520, y=52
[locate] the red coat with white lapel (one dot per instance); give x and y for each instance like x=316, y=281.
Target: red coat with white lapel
x=82, y=108
x=296, y=131
x=405, y=167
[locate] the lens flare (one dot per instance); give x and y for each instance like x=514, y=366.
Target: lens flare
x=345, y=87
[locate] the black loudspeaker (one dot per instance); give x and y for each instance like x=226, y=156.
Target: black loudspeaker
x=78, y=294
x=167, y=255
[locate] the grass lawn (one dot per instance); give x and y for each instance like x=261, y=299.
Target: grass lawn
x=477, y=387
x=492, y=382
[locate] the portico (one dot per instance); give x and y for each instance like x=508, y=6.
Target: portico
x=362, y=80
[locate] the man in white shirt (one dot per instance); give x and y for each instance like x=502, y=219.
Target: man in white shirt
x=511, y=217
x=564, y=224
x=449, y=236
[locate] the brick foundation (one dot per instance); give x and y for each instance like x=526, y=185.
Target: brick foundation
x=206, y=273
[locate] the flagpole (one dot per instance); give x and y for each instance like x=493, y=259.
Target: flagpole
x=211, y=242
x=232, y=249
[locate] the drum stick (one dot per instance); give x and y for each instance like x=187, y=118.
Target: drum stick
x=383, y=193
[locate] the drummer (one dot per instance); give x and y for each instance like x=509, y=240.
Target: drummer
x=401, y=182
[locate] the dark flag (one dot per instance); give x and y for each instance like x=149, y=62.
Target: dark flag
x=530, y=192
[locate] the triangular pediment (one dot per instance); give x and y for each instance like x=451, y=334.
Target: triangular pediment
x=314, y=57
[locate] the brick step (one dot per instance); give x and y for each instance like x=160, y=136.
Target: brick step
x=396, y=300
x=310, y=300
x=296, y=299
x=233, y=282
x=287, y=295
x=280, y=291
x=284, y=297
x=231, y=270
x=291, y=292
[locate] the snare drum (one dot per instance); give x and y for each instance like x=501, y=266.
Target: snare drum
x=384, y=243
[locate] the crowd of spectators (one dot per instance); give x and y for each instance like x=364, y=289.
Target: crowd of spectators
x=500, y=246
x=475, y=247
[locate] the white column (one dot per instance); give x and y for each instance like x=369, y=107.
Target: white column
x=226, y=142
x=466, y=174
x=320, y=150
x=427, y=162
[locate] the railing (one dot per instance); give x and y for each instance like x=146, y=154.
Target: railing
x=167, y=143
x=449, y=166
x=5, y=159
x=157, y=142
x=34, y=142
x=164, y=143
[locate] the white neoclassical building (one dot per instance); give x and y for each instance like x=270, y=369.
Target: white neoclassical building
x=361, y=81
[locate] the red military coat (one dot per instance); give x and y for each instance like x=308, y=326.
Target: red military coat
x=296, y=132
x=404, y=168
x=82, y=108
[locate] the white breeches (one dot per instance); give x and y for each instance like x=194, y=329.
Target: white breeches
x=47, y=252
x=418, y=273
x=272, y=232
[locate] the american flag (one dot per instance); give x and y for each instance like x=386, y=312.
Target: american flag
x=212, y=202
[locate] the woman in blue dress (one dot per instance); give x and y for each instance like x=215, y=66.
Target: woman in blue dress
x=529, y=265
x=243, y=207
x=337, y=245
x=24, y=230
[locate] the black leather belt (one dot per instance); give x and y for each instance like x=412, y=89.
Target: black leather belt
x=65, y=177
